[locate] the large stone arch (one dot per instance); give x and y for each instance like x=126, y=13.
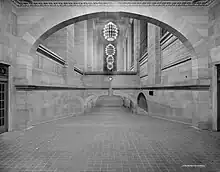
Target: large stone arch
x=80, y=99
x=127, y=96
x=90, y=98
x=174, y=19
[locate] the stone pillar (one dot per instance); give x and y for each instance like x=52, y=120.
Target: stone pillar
x=214, y=101
x=110, y=91
x=124, y=57
x=70, y=78
x=136, y=45
x=120, y=54
x=24, y=68
x=157, y=56
x=90, y=44
x=154, y=54
x=129, y=47
x=123, y=52
x=94, y=62
x=85, y=45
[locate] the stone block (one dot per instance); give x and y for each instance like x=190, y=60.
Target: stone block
x=217, y=41
x=204, y=73
x=203, y=96
x=215, y=53
x=204, y=125
x=21, y=119
x=141, y=111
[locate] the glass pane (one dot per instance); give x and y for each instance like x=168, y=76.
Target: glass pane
x=1, y=95
x=2, y=105
x=1, y=113
x=0, y=87
x=1, y=122
x=3, y=87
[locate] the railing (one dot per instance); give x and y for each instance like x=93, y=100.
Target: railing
x=76, y=69
x=111, y=73
x=159, y=87
x=51, y=55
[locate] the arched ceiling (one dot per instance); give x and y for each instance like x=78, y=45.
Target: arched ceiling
x=57, y=3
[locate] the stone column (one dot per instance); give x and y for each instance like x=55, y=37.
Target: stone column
x=123, y=49
x=129, y=47
x=85, y=45
x=136, y=45
x=90, y=44
x=70, y=78
x=94, y=62
x=154, y=54
x=157, y=56
x=120, y=53
x=124, y=57
x=110, y=91
x=24, y=68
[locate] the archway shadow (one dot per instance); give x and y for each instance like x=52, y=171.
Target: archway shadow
x=142, y=102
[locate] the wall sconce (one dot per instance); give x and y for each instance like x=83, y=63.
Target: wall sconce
x=110, y=78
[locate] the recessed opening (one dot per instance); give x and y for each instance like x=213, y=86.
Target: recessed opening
x=142, y=102
x=151, y=93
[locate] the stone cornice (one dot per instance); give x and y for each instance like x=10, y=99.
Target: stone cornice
x=107, y=3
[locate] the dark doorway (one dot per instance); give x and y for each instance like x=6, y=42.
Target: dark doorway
x=218, y=98
x=3, y=98
x=142, y=102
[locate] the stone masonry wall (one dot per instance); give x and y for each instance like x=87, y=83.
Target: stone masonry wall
x=39, y=106
x=170, y=55
x=34, y=107
x=214, y=57
x=9, y=51
x=79, y=52
x=189, y=106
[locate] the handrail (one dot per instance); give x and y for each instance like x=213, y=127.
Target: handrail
x=161, y=87
x=111, y=73
x=51, y=55
x=76, y=69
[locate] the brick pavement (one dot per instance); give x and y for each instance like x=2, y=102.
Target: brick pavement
x=109, y=140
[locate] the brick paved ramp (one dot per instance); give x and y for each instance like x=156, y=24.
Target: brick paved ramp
x=109, y=139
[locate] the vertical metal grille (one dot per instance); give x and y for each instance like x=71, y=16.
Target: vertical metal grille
x=2, y=104
x=3, y=98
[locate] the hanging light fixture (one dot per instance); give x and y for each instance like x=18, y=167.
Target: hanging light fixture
x=110, y=60
x=110, y=31
x=110, y=50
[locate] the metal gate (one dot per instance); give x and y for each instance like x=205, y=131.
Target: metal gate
x=3, y=98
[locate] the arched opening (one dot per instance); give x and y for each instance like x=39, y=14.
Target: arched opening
x=142, y=102
x=109, y=101
x=154, y=21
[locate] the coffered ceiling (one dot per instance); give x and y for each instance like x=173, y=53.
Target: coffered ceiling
x=42, y=3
